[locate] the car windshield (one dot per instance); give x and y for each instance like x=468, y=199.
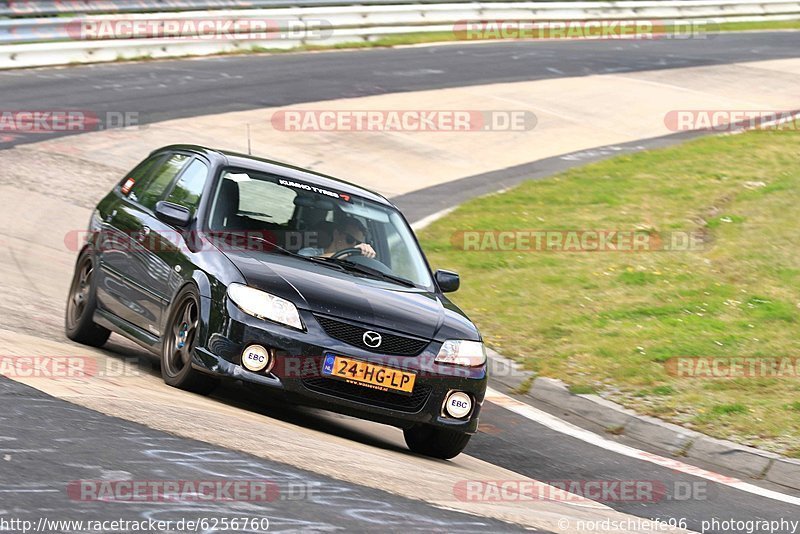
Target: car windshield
x=356, y=235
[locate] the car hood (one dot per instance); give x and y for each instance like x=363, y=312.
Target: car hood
x=328, y=291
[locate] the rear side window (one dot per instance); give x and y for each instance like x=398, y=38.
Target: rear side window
x=140, y=173
x=148, y=192
x=190, y=185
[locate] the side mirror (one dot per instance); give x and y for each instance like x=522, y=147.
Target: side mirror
x=173, y=214
x=448, y=281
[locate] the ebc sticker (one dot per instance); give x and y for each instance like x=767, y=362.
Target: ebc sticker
x=314, y=189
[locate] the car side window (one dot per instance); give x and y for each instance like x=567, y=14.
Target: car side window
x=189, y=188
x=148, y=192
x=140, y=173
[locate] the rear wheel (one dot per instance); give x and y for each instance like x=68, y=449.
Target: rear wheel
x=79, y=319
x=179, y=341
x=435, y=442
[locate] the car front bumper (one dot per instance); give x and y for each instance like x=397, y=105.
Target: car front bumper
x=297, y=373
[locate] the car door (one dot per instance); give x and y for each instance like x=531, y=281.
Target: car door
x=131, y=274
x=112, y=244
x=170, y=249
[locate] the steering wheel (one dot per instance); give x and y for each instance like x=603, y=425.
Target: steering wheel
x=346, y=252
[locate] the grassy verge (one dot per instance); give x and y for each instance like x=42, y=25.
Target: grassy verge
x=610, y=322
x=405, y=39
x=763, y=25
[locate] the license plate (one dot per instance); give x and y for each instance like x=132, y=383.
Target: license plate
x=368, y=374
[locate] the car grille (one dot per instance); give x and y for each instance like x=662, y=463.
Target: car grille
x=353, y=335
x=384, y=399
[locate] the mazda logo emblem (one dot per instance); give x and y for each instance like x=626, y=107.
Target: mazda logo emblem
x=372, y=339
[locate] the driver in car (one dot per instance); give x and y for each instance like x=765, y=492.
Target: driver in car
x=347, y=233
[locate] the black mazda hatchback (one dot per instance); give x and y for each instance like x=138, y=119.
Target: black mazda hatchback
x=230, y=266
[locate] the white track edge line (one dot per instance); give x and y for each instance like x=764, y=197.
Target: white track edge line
x=563, y=427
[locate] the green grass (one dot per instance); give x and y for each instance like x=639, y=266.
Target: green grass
x=406, y=39
x=762, y=25
x=582, y=389
x=608, y=321
x=728, y=409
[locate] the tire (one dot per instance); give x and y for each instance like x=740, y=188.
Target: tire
x=435, y=442
x=79, y=323
x=179, y=341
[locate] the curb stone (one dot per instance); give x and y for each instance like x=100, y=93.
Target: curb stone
x=506, y=371
x=785, y=471
x=748, y=461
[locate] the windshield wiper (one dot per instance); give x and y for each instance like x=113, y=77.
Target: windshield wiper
x=369, y=271
x=341, y=265
x=277, y=248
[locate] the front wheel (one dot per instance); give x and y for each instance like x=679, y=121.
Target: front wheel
x=435, y=442
x=180, y=336
x=79, y=320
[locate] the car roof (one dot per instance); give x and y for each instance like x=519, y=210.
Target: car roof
x=247, y=162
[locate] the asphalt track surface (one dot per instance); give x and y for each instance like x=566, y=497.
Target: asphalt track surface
x=51, y=445
x=172, y=89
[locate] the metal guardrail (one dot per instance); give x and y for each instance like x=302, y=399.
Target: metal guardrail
x=46, y=29
x=31, y=8
x=61, y=40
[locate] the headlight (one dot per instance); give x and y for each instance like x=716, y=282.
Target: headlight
x=264, y=305
x=459, y=352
